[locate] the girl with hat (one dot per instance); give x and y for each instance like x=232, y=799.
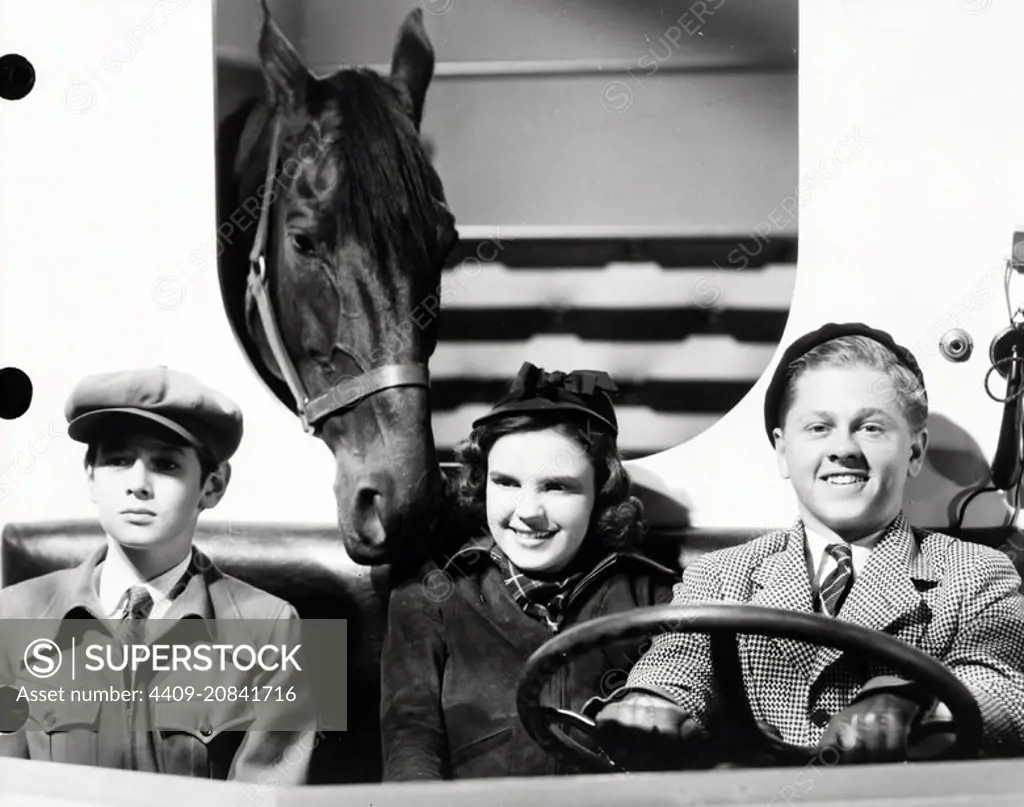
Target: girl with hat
x=548, y=537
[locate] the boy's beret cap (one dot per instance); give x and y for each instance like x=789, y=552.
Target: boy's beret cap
x=806, y=343
x=205, y=418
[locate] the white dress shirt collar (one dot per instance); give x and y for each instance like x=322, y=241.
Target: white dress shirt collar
x=817, y=545
x=117, y=575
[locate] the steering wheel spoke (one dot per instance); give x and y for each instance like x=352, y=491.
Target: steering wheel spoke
x=591, y=758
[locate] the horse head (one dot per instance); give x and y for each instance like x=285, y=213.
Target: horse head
x=333, y=289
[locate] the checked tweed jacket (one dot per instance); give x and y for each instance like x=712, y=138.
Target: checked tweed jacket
x=956, y=601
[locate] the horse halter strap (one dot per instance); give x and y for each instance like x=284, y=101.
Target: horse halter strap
x=347, y=392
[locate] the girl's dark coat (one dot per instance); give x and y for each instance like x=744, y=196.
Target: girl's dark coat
x=455, y=644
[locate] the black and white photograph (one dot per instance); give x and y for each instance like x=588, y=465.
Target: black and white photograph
x=490, y=401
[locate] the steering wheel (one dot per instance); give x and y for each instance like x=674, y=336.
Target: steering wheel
x=723, y=622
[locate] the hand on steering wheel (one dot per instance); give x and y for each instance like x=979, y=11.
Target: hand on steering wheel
x=875, y=729
x=651, y=733
x=647, y=732
x=752, y=744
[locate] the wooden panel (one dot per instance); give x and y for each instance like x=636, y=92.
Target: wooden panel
x=705, y=153
x=736, y=32
x=680, y=330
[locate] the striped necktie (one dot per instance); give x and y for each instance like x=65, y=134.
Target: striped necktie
x=137, y=603
x=140, y=751
x=836, y=586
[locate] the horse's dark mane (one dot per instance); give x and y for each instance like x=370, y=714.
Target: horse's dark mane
x=239, y=136
x=243, y=148
x=371, y=179
x=229, y=131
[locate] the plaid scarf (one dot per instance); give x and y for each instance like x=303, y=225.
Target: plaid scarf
x=541, y=598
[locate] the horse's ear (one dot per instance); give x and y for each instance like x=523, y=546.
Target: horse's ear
x=412, y=63
x=287, y=77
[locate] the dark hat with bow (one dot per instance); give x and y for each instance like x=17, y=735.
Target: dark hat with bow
x=534, y=390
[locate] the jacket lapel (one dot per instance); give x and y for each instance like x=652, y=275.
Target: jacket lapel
x=480, y=585
x=781, y=580
x=885, y=592
x=200, y=594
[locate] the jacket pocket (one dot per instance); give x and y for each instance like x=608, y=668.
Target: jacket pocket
x=477, y=748
x=65, y=731
x=203, y=749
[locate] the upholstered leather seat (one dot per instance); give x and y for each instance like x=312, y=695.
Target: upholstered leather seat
x=306, y=565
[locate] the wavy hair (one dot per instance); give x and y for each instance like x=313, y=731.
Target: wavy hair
x=617, y=520
x=902, y=386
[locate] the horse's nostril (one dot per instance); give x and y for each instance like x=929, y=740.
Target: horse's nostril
x=367, y=498
x=368, y=516
x=371, y=501
x=377, y=509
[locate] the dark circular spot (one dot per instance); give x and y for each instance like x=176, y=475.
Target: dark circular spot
x=15, y=393
x=17, y=77
x=820, y=718
x=13, y=712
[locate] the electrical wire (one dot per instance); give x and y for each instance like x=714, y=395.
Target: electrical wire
x=1016, y=498
x=1015, y=486
x=1007, y=274
x=1008, y=362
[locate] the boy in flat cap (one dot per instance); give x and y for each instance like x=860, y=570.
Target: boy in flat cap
x=158, y=449
x=846, y=412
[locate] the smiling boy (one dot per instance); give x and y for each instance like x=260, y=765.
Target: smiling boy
x=158, y=448
x=846, y=412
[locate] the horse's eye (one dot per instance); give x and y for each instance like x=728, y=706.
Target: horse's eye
x=303, y=244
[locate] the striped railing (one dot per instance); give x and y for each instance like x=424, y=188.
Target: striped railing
x=685, y=325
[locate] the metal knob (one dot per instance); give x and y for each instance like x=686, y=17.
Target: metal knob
x=956, y=345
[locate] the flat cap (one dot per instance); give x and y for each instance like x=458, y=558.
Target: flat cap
x=581, y=392
x=206, y=419
x=806, y=343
